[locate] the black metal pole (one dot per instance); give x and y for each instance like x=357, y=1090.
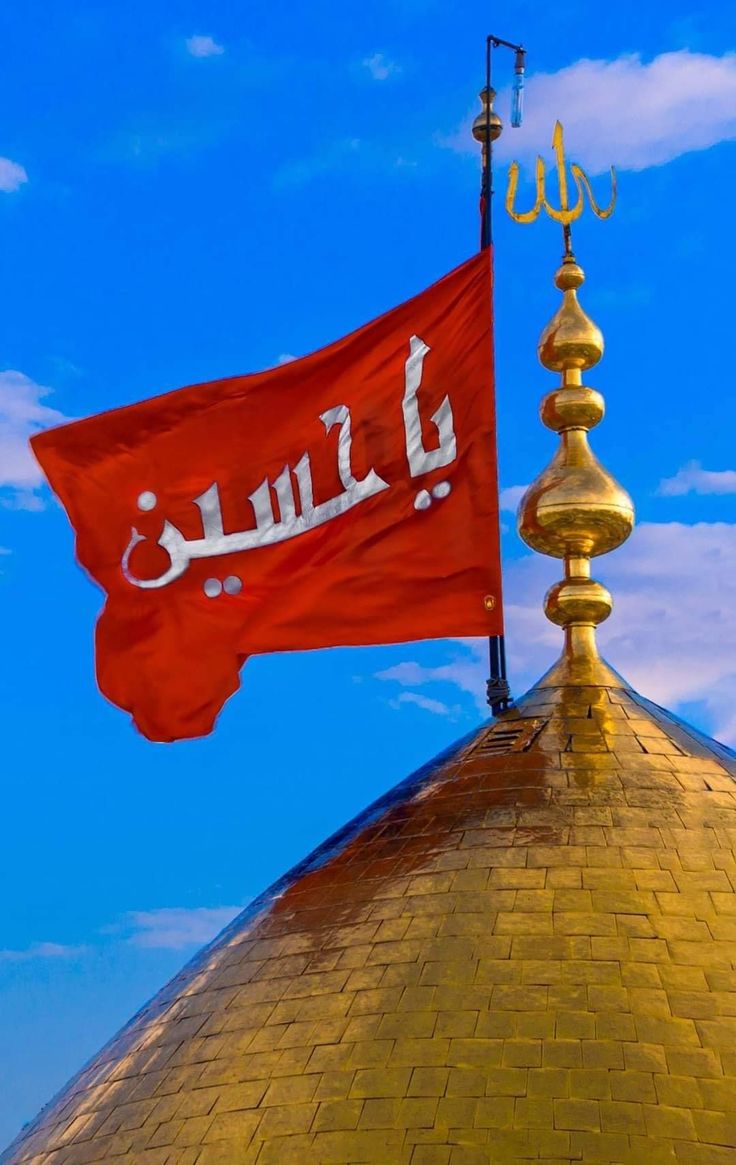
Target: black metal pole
x=498, y=691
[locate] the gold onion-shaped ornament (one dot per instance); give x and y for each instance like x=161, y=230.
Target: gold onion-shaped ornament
x=575, y=509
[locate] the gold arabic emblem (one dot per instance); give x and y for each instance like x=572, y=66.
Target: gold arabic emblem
x=566, y=213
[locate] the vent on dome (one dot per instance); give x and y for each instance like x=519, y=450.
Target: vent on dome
x=511, y=736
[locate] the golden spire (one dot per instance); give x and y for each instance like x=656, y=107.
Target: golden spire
x=575, y=510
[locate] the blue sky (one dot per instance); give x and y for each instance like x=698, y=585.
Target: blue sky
x=191, y=191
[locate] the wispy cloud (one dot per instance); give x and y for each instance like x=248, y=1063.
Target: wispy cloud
x=286, y=358
x=427, y=704
x=176, y=927
x=43, y=950
x=22, y=413
x=380, y=67
x=204, y=46
x=170, y=928
x=692, y=478
x=672, y=633
x=631, y=112
x=12, y=175
x=509, y=498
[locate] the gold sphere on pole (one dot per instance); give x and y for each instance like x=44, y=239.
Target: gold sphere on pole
x=487, y=123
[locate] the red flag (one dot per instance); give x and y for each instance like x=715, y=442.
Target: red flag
x=349, y=497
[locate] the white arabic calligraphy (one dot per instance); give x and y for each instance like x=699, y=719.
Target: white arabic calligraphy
x=267, y=531
x=420, y=459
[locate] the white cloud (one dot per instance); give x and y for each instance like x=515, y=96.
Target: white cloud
x=286, y=358
x=692, y=478
x=204, y=46
x=22, y=413
x=380, y=67
x=509, y=498
x=41, y=951
x=12, y=175
x=628, y=112
x=172, y=928
x=436, y=707
x=672, y=634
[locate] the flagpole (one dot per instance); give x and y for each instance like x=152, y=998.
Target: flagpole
x=487, y=128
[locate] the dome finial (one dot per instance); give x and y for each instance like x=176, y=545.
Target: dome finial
x=575, y=510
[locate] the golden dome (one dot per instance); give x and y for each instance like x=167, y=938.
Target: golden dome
x=526, y=950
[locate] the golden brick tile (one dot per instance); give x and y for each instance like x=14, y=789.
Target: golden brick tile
x=466, y=1082
x=328, y=1148
x=456, y=1023
x=652, y=1001
x=618, y=1116
x=379, y=1113
x=496, y=1024
x=193, y=1130
x=535, y=1024
x=642, y=974
x=168, y=1131
x=334, y=1085
x=581, y=922
x=236, y=1097
x=611, y=1025
x=576, y=1114
x=562, y=1053
x=562, y=879
x=568, y=997
x=408, y=1052
x=431, y=1155
x=233, y=1125
x=362, y=1030
x=287, y=1118
x=575, y=1025
x=290, y=1090
x=468, y=1052
x=681, y=1091
x=522, y=1053
x=533, y=1112
x=602, y=1147
x=633, y=1085
x=524, y=923
x=608, y=998
x=565, y=948
x=700, y=1154
x=667, y=1121
x=589, y=1083
x=717, y=1033
x=597, y=971
x=718, y=1094
x=495, y=1114
x=457, y=1112
x=404, y=1024
x=670, y=1032
x=495, y=971
x=418, y=1112
x=602, y=1053
x=541, y=972
x=380, y=1082
x=463, y=1155
x=548, y=1082
x=428, y=1082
